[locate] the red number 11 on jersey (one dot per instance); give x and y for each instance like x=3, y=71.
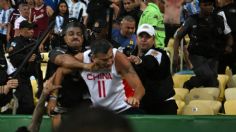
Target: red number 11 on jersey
x=101, y=89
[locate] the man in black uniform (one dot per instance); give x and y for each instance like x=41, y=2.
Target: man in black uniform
x=24, y=92
x=205, y=30
x=229, y=9
x=153, y=68
x=73, y=88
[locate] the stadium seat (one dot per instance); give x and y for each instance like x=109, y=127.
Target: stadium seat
x=232, y=78
x=197, y=109
x=180, y=93
x=232, y=81
x=230, y=94
x=223, y=79
x=34, y=88
x=198, y=95
x=44, y=56
x=230, y=107
x=180, y=105
x=180, y=79
x=214, y=104
x=214, y=91
x=44, y=68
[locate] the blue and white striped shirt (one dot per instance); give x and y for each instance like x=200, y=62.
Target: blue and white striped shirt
x=4, y=19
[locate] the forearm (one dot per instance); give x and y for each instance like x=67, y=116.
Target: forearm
x=85, y=20
x=138, y=89
x=229, y=40
x=71, y=62
x=135, y=83
x=38, y=114
x=128, y=73
x=176, y=45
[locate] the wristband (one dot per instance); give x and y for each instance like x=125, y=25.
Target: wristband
x=52, y=97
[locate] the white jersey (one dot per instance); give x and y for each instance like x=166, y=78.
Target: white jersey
x=106, y=87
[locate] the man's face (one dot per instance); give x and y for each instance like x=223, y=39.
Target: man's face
x=27, y=32
x=30, y=2
x=206, y=8
x=127, y=5
x=38, y=2
x=104, y=61
x=74, y=37
x=25, y=11
x=145, y=41
x=127, y=28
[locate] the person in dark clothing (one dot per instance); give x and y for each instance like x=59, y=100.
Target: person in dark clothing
x=6, y=86
x=73, y=90
x=127, y=9
x=61, y=17
x=229, y=9
x=97, y=10
x=32, y=68
x=153, y=68
x=206, y=31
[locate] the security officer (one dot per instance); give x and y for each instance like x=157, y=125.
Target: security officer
x=24, y=92
x=71, y=95
x=153, y=15
x=206, y=31
x=156, y=77
x=229, y=9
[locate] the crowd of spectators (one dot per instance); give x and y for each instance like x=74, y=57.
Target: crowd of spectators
x=110, y=53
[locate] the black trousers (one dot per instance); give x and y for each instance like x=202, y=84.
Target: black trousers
x=161, y=108
x=227, y=60
x=24, y=95
x=205, y=70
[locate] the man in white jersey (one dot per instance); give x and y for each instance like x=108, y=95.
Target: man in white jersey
x=104, y=80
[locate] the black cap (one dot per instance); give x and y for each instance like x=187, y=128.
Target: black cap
x=26, y=24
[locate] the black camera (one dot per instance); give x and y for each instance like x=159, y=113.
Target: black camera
x=126, y=50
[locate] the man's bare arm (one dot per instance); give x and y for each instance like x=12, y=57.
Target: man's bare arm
x=177, y=39
x=71, y=62
x=57, y=79
x=229, y=43
x=128, y=73
x=39, y=109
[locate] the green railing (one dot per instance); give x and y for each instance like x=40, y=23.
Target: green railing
x=144, y=123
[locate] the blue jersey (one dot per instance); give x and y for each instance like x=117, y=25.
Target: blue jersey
x=122, y=40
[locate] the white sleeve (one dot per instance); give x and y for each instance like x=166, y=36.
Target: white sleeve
x=227, y=28
x=84, y=7
x=16, y=24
